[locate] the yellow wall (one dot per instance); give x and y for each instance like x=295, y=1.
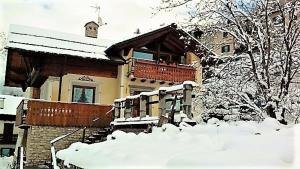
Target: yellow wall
x=137, y=84
x=106, y=88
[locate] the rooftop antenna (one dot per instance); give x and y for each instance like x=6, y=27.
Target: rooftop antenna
x=97, y=10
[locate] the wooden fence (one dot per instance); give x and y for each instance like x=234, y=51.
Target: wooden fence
x=67, y=114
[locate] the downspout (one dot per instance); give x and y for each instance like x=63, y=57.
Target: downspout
x=122, y=78
x=61, y=78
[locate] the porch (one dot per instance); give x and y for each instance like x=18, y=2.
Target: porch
x=47, y=113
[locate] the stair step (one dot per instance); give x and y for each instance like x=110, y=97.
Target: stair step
x=87, y=142
x=91, y=137
x=102, y=132
x=98, y=136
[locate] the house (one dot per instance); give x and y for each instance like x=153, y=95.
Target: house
x=72, y=81
x=8, y=130
x=220, y=43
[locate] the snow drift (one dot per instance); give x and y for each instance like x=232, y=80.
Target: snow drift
x=213, y=145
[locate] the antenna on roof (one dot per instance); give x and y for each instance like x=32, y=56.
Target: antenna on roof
x=99, y=19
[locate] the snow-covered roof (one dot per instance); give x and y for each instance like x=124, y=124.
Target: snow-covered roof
x=48, y=41
x=10, y=104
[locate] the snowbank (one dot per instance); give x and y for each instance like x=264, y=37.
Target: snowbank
x=6, y=162
x=215, y=145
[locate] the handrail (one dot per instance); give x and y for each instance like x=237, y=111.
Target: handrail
x=53, y=157
x=20, y=158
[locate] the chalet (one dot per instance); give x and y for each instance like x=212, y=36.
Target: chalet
x=8, y=130
x=72, y=81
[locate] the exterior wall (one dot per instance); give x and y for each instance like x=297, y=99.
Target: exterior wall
x=15, y=131
x=105, y=88
x=38, y=150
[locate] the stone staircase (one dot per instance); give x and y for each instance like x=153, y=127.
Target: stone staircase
x=98, y=136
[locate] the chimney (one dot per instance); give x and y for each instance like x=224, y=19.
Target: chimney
x=91, y=29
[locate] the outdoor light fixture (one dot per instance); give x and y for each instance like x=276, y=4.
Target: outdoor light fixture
x=2, y=103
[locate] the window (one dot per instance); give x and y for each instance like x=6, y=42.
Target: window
x=225, y=34
x=6, y=152
x=225, y=49
x=8, y=132
x=143, y=55
x=277, y=20
x=83, y=94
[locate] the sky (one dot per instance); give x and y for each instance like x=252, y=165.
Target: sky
x=123, y=17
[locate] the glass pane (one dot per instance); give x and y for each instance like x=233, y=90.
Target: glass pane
x=77, y=94
x=142, y=55
x=83, y=95
x=5, y=152
x=89, y=94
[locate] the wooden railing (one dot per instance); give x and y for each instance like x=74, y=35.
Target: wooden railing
x=21, y=114
x=45, y=113
x=151, y=70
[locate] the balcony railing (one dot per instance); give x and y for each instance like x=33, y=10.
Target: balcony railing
x=151, y=70
x=44, y=113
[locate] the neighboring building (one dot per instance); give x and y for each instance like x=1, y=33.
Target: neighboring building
x=76, y=79
x=8, y=130
x=220, y=43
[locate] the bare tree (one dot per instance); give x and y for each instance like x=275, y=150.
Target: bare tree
x=268, y=34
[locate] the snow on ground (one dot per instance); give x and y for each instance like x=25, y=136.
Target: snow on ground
x=6, y=162
x=213, y=145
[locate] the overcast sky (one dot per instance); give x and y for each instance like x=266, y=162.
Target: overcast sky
x=123, y=17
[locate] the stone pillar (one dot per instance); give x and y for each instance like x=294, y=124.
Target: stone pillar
x=162, y=102
x=128, y=108
x=117, y=110
x=187, y=100
x=143, y=105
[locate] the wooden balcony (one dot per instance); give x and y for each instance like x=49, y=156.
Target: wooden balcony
x=44, y=113
x=151, y=70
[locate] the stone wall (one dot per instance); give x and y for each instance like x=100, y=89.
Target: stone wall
x=38, y=142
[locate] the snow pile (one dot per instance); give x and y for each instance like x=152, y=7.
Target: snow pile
x=214, y=145
x=6, y=162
